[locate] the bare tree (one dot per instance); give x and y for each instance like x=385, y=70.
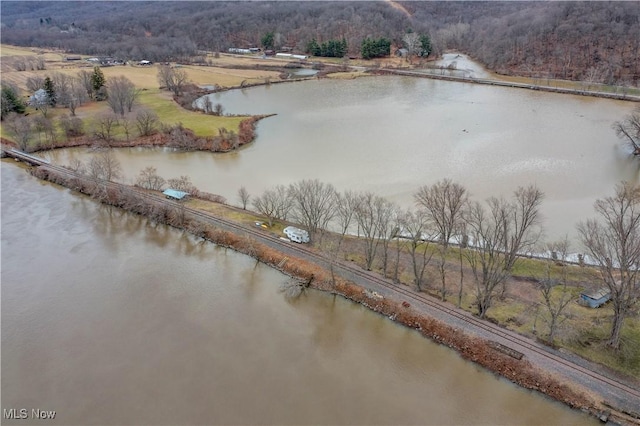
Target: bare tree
x=86, y=82
x=284, y=204
x=613, y=242
x=149, y=179
x=183, y=183
x=146, y=122
x=127, y=126
x=387, y=230
x=244, y=196
x=77, y=166
x=412, y=43
x=443, y=202
x=373, y=214
x=487, y=259
x=173, y=79
x=34, y=83
x=313, y=204
x=76, y=95
x=415, y=227
x=43, y=125
x=346, y=206
x=556, y=301
x=21, y=128
x=523, y=224
x=61, y=82
x=71, y=126
x=500, y=235
x=273, y=203
x=104, y=126
x=591, y=76
x=629, y=130
x=121, y=95
x=104, y=166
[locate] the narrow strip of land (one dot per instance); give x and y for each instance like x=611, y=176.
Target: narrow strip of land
x=621, y=394
x=504, y=83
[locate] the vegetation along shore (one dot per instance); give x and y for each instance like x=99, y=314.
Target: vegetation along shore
x=474, y=276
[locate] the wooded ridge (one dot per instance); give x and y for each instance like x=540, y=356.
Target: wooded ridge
x=591, y=41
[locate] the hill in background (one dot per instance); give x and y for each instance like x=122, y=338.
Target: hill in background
x=594, y=41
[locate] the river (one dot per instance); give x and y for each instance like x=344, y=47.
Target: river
x=109, y=319
x=390, y=135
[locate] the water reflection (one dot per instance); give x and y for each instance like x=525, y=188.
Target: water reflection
x=110, y=319
x=391, y=135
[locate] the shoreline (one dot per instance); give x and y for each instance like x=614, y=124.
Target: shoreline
x=472, y=348
x=246, y=135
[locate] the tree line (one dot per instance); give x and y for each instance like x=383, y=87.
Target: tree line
x=490, y=237
x=574, y=40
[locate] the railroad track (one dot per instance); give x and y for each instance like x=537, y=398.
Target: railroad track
x=520, y=342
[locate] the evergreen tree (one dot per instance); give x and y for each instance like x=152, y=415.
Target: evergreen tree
x=328, y=49
x=425, y=44
x=11, y=101
x=98, y=83
x=51, y=91
x=313, y=48
x=372, y=48
x=267, y=40
x=343, y=47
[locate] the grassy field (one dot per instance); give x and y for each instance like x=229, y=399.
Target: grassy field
x=171, y=113
x=144, y=78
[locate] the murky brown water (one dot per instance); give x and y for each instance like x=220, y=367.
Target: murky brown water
x=108, y=319
x=391, y=135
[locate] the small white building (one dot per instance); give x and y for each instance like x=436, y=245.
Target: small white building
x=296, y=235
x=239, y=51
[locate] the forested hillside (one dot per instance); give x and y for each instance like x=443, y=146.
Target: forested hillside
x=594, y=41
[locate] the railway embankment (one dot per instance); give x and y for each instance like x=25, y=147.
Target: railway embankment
x=623, y=96
x=573, y=381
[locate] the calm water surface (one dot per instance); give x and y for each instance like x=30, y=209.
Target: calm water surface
x=109, y=319
x=391, y=135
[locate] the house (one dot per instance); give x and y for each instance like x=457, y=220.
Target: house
x=40, y=97
x=296, y=235
x=174, y=194
x=402, y=52
x=595, y=299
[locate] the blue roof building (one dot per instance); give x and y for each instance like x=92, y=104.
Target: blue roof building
x=175, y=194
x=595, y=299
